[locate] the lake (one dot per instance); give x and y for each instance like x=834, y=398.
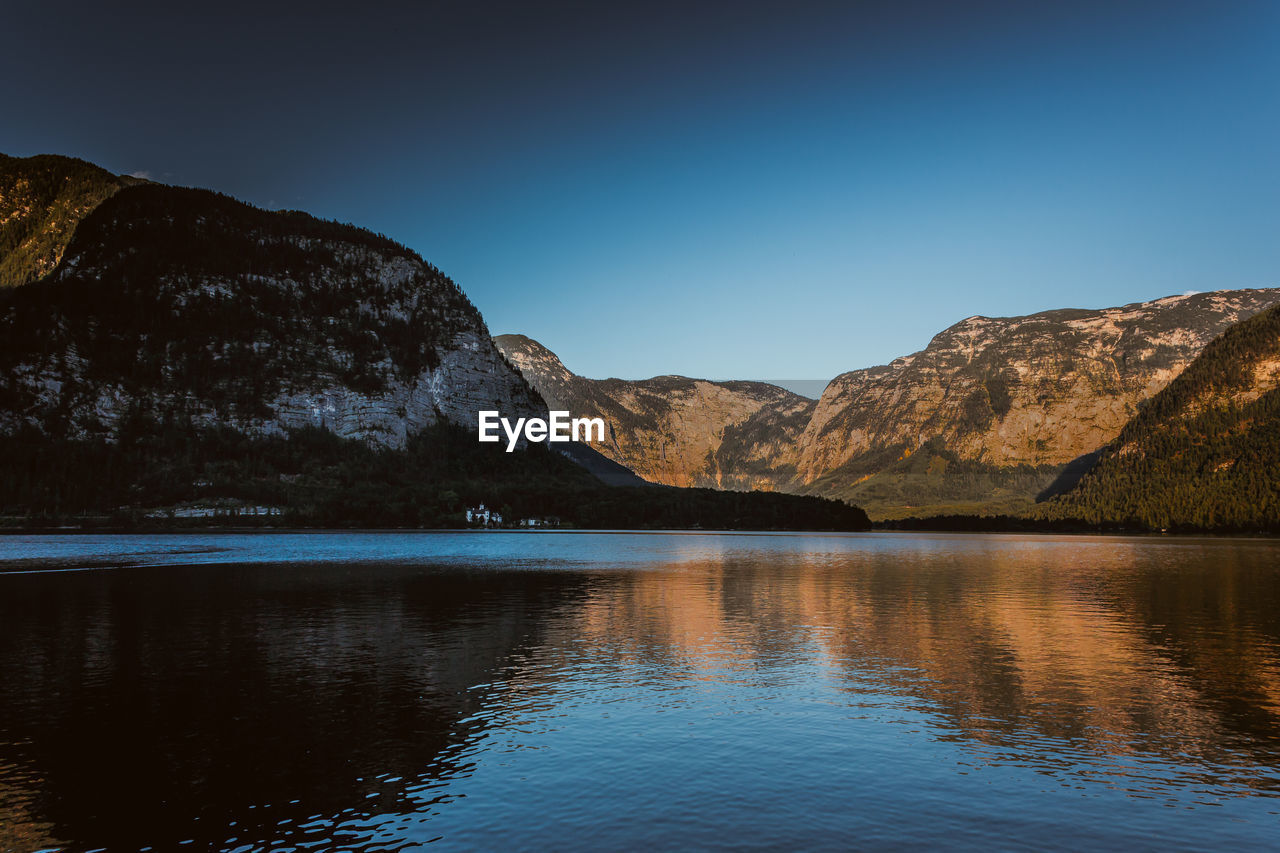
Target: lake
x=585, y=691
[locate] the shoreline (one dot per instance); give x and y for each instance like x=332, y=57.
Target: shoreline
x=878, y=527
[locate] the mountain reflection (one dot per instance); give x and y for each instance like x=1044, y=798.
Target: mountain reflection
x=292, y=705
x=231, y=705
x=1102, y=649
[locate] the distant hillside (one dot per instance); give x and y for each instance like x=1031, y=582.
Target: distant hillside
x=810, y=388
x=1204, y=452
x=668, y=429
x=42, y=200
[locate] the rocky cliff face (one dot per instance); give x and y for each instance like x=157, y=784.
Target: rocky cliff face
x=982, y=419
x=669, y=429
x=183, y=305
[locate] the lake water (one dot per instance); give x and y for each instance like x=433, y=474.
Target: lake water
x=623, y=691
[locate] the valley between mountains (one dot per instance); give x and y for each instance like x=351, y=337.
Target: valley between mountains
x=991, y=415
x=174, y=353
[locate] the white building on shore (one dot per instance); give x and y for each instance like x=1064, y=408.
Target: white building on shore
x=483, y=516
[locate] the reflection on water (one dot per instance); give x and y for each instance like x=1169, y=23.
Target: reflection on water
x=587, y=691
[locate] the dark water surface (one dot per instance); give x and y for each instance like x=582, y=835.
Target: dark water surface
x=623, y=691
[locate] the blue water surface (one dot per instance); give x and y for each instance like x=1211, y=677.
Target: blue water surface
x=583, y=691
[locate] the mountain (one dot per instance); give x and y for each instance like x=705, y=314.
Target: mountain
x=187, y=305
x=989, y=415
x=172, y=355
x=1204, y=453
x=993, y=410
x=42, y=200
x=667, y=429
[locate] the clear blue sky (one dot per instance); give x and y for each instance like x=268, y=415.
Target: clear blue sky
x=744, y=190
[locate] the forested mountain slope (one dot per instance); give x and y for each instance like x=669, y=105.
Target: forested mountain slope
x=188, y=306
